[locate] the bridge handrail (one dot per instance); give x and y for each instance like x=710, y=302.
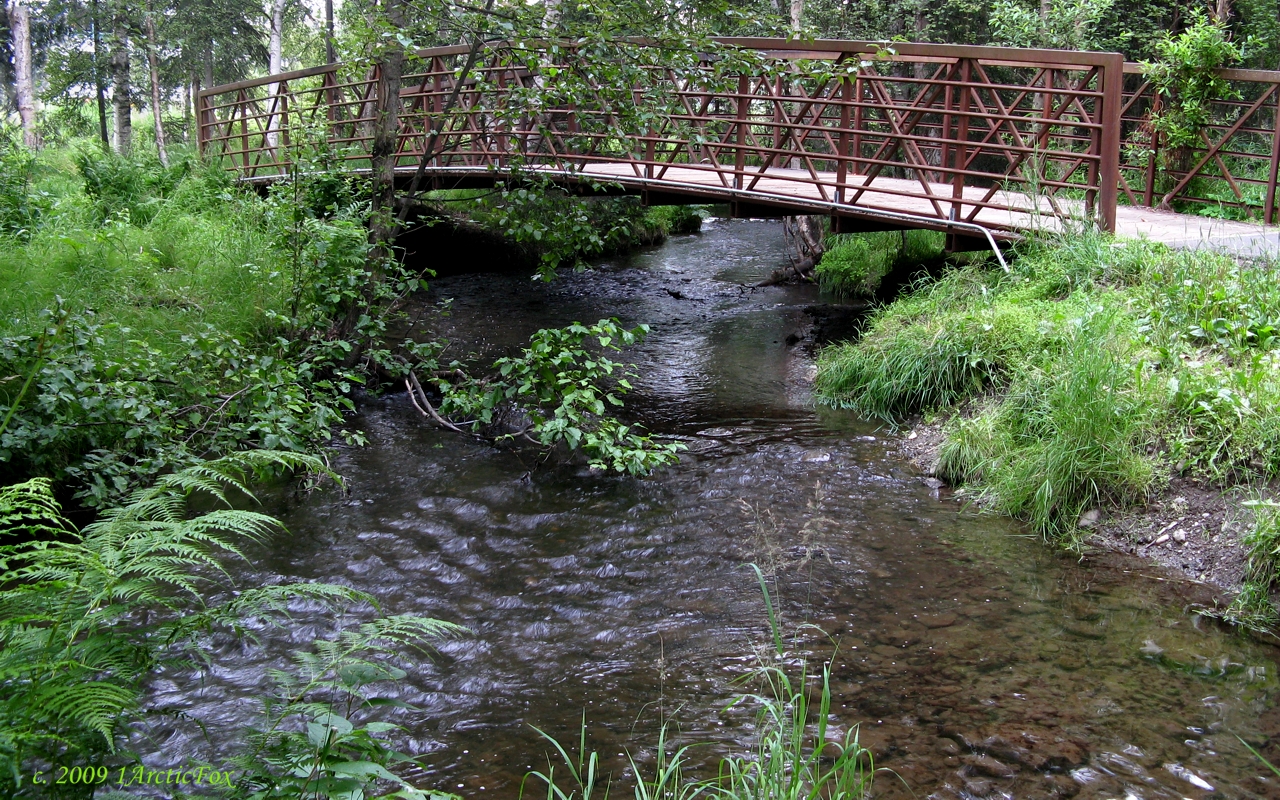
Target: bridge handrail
x=948, y=142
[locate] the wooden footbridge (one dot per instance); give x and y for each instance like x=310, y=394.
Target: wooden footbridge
x=983, y=143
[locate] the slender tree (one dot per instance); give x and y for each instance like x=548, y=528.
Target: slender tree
x=99, y=84
x=275, y=65
x=121, y=95
x=153, y=68
x=24, y=85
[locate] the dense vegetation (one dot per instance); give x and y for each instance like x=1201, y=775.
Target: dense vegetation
x=167, y=338
x=1085, y=377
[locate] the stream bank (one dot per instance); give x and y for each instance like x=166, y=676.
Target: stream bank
x=976, y=661
x=1110, y=393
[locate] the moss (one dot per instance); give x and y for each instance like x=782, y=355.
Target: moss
x=855, y=264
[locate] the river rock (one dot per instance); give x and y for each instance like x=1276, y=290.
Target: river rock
x=815, y=456
x=1089, y=519
x=986, y=765
x=937, y=620
x=934, y=483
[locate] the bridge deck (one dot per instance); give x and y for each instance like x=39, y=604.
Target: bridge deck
x=794, y=190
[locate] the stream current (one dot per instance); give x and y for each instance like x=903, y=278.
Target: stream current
x=978, y=661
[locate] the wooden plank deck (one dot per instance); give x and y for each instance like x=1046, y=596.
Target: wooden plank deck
x=1184, y=231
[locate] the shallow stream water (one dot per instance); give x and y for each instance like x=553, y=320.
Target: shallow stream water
x=977, y=661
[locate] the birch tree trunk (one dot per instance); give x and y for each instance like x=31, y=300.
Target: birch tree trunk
x=153, y=66
x=24, y=86
x=120, y=88
x=275, y=65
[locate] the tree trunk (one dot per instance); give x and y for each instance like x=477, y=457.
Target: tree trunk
x=120, y=89
x=24, y=87
x=797, y=13
x=552, y=19
x=382, y=150
x=98, y=83
x=275, y=65
x=157, y=109
x=329, y=51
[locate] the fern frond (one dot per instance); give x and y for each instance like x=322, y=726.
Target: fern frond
x=29, y=509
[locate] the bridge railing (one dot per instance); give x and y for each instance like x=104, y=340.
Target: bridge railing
x=994, y=136
x=1234, y=166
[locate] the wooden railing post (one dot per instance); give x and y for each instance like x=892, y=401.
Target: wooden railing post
x=1269, y=212
x=202, y=136
x=743, y=109
x=842, y=146
x=961, y=150
x=1109, y=118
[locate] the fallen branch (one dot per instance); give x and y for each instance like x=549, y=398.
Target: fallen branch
x=425, y=408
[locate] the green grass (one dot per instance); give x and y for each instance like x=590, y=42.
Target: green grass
x=855, y=264
x=161, y=262
x=1082, y=377
x=161, y=316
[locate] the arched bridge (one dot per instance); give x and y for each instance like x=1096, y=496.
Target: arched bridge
x=973, y=141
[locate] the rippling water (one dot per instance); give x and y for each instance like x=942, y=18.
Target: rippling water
x=978, y=662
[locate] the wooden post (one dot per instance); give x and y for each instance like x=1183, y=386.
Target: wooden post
x=1149, y=191
x=1109, y=167
x=961, y=150
x=857, y=123
x=743, y=109
x=1269, y=213
x=242, y=105
x=842, y=166
x=201, y=135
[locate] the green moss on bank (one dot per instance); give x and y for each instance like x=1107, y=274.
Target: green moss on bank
x=855, y=264
x=1086, y=374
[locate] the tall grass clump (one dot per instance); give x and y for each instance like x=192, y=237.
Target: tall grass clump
x=1252, y=607
x=855, y=264
x=1062, y=376
x=1065, y=438
x=948, y=341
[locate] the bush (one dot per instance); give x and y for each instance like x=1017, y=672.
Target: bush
x=674, y=220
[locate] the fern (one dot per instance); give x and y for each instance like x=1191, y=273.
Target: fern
x=75, y=649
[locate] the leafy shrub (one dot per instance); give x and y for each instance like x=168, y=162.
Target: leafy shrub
x=109, y=411
x=560, y=229
x=560, y=392
x=854, y=264
x=20, y=206
x=1185, y=75
x=674, y=220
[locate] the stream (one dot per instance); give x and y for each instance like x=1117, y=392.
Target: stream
x=978, y=662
